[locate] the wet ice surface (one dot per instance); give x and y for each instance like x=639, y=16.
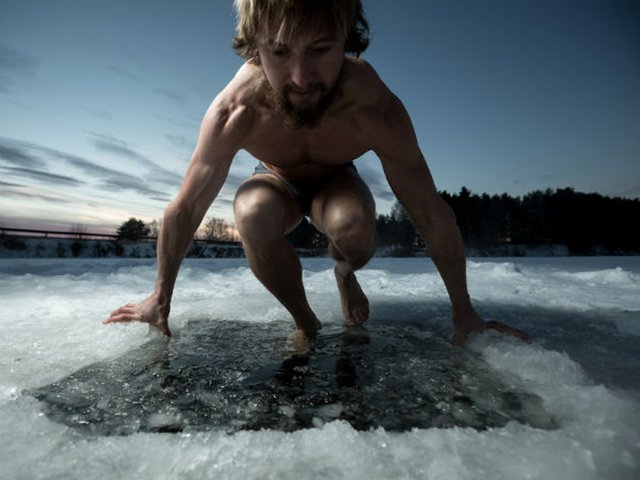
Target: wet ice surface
x=238, y=376
x=224, y=399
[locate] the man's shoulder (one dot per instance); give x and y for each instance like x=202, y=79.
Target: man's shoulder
x=373, y=96
x=244, y=88
x=362, y=80
x=232, y=111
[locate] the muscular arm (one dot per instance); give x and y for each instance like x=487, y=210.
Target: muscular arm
x=410, y=179
x=220, y=133
x=205, y=176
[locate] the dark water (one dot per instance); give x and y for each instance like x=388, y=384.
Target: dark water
x=239, y=376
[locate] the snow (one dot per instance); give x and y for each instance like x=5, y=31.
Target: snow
x=57, y=247
x=583, y=362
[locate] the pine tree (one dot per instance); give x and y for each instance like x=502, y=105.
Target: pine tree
x=133, y=229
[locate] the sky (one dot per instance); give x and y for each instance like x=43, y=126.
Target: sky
x=100, y=102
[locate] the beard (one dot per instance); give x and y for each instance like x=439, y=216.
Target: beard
x=300, y=117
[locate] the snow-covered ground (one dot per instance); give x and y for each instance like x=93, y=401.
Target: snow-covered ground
x=51, y=247
x=583, y=362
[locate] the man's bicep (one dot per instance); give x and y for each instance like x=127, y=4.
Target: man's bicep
x=203, y=180
x=209, y=165
x=402, y=160
x=411, y=182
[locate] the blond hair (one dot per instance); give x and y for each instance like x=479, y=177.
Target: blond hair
x=287, y=18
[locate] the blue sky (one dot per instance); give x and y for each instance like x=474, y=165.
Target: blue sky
x=100, y=102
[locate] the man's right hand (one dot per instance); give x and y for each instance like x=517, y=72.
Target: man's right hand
x=148, y=311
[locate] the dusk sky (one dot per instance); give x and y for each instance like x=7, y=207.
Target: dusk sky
x=101, y=101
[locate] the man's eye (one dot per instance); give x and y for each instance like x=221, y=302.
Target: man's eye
x=278, y=52
x=320, y=50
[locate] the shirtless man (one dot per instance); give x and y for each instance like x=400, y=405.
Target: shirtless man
x=307, y=110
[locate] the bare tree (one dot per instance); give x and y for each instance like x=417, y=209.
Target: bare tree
x=154, y=227
x=217, y=229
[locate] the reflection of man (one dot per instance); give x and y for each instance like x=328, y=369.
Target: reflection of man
x=307, y=111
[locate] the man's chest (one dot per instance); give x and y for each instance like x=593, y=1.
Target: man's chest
x=335, y=141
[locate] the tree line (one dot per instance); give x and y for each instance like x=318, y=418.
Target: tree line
x=586, y=223
x=212, y=229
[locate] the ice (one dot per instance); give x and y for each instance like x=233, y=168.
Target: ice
x=577, y=381
x=238, y=375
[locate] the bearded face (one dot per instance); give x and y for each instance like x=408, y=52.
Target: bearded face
x=301, y=108
x=301, y=76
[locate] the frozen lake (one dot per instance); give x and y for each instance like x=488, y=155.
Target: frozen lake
x=223, y=398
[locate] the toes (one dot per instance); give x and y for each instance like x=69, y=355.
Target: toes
x=128, y=308
x=356, y=317
x=120, y=316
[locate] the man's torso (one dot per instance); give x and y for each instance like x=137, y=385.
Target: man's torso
x=342, y=134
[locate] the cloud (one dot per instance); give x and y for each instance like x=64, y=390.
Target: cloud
x=8, y=184
x=50, y=178
x=376, y=182
x=121, y=72
x=122, y=149
x=90, y=168
x=26, y=161
x=27, y=164
x=101, y=113
x=112, y=180
x=233, y=181
x=17, y=61
x=178, y=141
x=35, y=196
x=135, y=184
x=15, y=65
x=226, y=202
x=16, y=155
x=119, y=148
x=176, y=97
x=189, y=126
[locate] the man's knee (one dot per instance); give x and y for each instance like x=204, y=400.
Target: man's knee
x=260, y=211
x=352, y=233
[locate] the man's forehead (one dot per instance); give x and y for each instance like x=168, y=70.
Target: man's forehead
x=303, y=34
x=322, y=37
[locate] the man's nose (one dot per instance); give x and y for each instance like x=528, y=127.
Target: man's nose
x=301, y=73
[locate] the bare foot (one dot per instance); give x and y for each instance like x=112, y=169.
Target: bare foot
x=301, y=342
x=148, y=311
x=355, y=306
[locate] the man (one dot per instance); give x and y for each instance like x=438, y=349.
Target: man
x=306, y=110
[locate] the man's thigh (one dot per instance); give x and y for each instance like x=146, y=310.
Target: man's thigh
x=266, y=199
x=345, y=198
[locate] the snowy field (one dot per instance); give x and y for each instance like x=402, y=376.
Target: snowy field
x=565, y=405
